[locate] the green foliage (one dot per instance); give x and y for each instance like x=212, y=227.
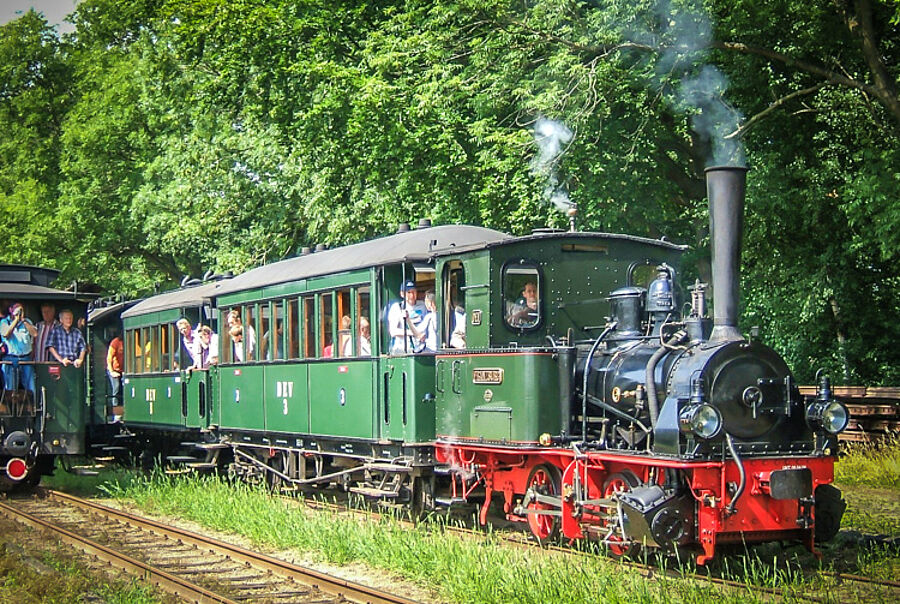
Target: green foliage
x=166, y=137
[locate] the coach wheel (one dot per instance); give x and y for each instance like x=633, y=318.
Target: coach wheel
x=279, y=463
x=829, y=509
x=544, y=480
x=618, y=545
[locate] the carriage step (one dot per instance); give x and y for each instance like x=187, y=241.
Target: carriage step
x=84, y=472
x=202, y=465
x=211, y=446
x=450, y=501
x=106, y=458
x=177, y=471
x=181, y=458
x=115, y=449
x=189, y=443
x=377, y=493
x=386, y=467
x=123, y=435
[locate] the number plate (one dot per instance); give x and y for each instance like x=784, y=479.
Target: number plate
x=487, y=376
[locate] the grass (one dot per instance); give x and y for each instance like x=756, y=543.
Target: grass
x=456, y=569
x=58, y=577
x=870, y=465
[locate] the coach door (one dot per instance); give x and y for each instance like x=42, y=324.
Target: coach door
x=195, y=398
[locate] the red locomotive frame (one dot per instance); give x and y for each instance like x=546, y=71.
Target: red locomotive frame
x=585, y=485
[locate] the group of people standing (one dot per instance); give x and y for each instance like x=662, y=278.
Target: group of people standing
x=24, y=343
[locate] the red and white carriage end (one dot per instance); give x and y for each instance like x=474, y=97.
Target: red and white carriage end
x=626, y=501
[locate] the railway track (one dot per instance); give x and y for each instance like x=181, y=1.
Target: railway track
x=193, y=567
x=874, y=411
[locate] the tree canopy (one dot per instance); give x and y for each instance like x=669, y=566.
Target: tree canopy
x=171, y=137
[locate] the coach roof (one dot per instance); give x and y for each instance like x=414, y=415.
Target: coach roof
x=419, y=245
x=185, y=297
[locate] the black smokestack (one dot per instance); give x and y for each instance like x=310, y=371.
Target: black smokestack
x=725, y=186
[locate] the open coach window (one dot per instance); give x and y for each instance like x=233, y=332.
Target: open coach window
x=521, y=295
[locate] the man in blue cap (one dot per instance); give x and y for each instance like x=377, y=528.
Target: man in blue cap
x=403, y=320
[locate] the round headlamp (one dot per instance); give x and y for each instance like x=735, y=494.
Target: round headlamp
x=702, y=420
x=830, y=416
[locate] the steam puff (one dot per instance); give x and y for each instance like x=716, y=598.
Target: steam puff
x=551, y=137
x=714, y=118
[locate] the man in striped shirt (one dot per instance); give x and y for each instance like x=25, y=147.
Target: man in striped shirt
x=44, y=327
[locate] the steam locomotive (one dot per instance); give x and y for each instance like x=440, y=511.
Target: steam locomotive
x=566, y=386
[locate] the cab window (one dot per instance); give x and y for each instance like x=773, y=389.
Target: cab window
x=521, y=295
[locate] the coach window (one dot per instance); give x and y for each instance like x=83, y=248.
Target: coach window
x=521, y=295
x=135, y=355
x=165, y=349
x=226, y=350
x=251, y=332
x=326, y=325
x=151, y=348
x=362, y=329
x=277, y=331
x=308, y=335
x=265, y=331
x=292, y=320
x=344, y=348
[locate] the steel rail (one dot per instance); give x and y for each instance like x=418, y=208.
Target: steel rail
x=335, y=586
x=165, y=581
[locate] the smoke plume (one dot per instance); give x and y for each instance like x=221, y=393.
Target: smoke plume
x=551, y=138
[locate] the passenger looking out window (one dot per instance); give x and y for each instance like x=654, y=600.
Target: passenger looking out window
x=404, y=319
x=237, y=343
x=458, y=335
x=365, y=342
x=206, y=348
x=66, y=344
x=247, y=337
x=18, y=336
x=48, y=323
x=428, y=326
x=188, y=340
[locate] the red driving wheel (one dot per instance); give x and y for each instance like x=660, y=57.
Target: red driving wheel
x=544, y=479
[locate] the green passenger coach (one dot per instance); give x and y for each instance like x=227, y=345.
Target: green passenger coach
x=160, y=388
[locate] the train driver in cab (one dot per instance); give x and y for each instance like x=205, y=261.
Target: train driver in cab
x=404, y=320
x=524, y=312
